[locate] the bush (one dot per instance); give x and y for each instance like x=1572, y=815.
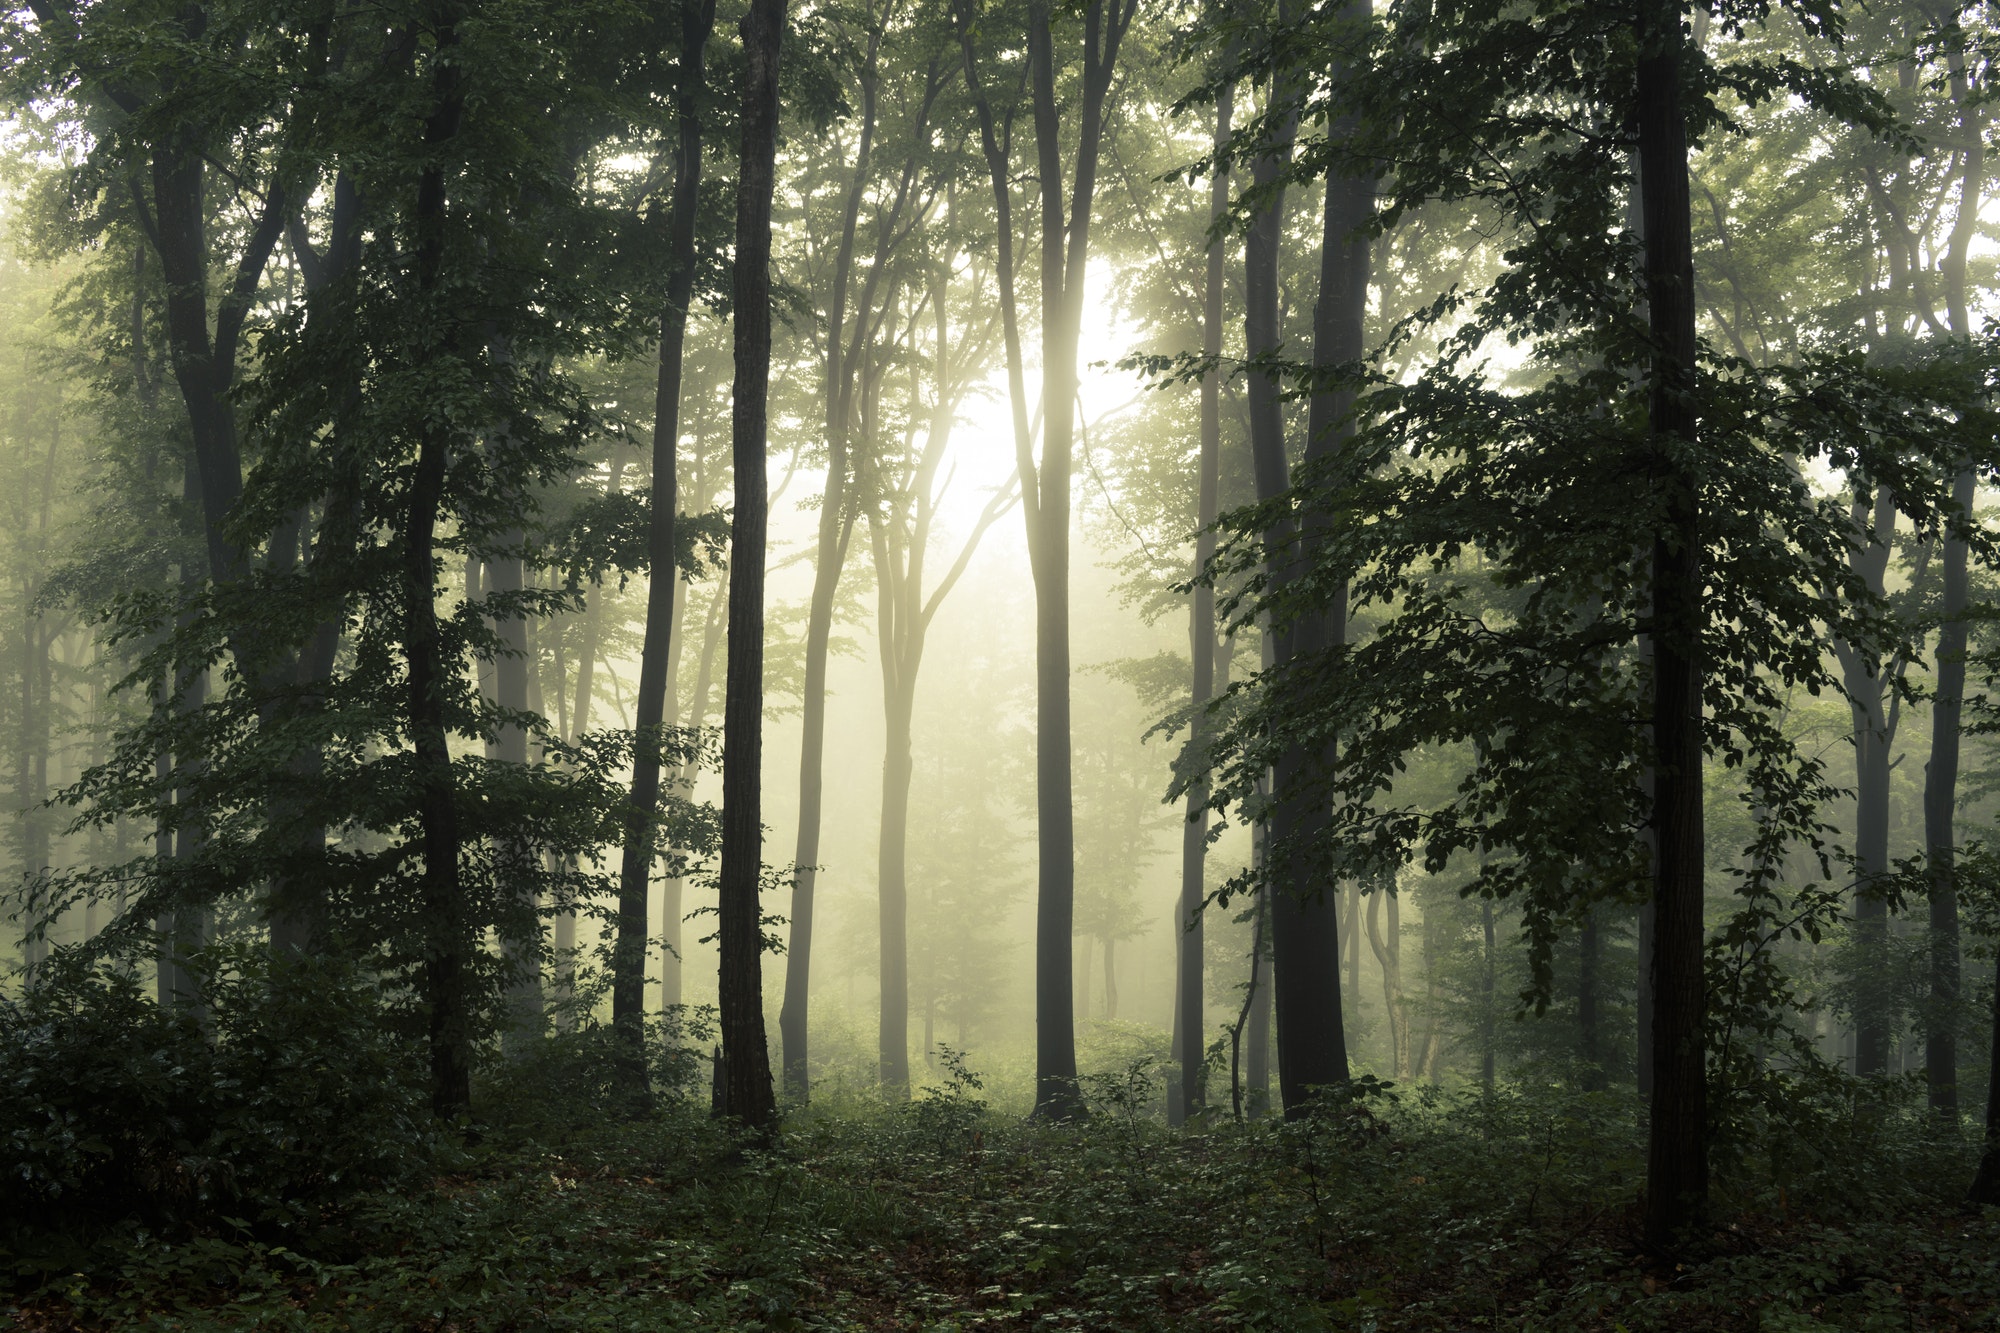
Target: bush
x=114, y=1109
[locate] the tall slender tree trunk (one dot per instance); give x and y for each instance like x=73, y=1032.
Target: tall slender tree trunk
x=1677, y=1148
x=635, y=867
x=671, y=966
x=746, y=1079
x=794, y=1016
x=1046, y=500
x=1941, y=773
x=1258, y=1062
x=1868, y=690
x=522, y=942
x=448, y=932
x=1589, y=1034
x=1488, y=1016
x=1188, y=1021
x=893, y=906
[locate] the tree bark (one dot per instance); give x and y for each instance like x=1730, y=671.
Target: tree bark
x=1941, y=773
x=1188, y=1020
x=830, y=558
x=1488, y=1017
x=747, y=1091
x=1867, y=684
x=1304, y=919
x=522, y=941
x=448, y=933
x=1677, y=1147
x=635, y=868
x=1940, y=802
x=893, y=906
x=1589, y=1035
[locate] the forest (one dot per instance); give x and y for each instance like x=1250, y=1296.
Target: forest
x=999, y=664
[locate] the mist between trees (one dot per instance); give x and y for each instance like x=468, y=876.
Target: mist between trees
x=1273, y=591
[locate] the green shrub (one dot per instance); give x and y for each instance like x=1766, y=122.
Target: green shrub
x=115, y=1110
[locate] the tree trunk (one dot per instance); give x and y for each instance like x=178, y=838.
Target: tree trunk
x=1488, y=1015
x=1305, y=934
x=1257, y=1063
x=1188, y=1020
x=1312, y=1047
x=1940, y=801
x=1110, y=978
x=522, y=940
x=747, y=1092
x=1868, y=689
x=1589, y=1037
x=635, y=867
x=1986, y=1183
x=671, y=967
x=1941, y=774
x=794, y=1016
x=448, y=933
x=893, y=1047
x=1065, y=257
x=1677, y=1149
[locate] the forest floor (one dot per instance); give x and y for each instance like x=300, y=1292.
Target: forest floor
x=1428, y=1211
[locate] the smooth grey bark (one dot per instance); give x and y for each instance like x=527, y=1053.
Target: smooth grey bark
x=747, y=1094
x=1488, y=1026
x=900, y=530
x=1188, y=1021
x=1589, y=1031
x=1868, y=686
x=656, y=652
x=671, y=899
x=1941, y=772
x=1046, y=505
x=522, y=946
x=830, y=559
x=845, y=387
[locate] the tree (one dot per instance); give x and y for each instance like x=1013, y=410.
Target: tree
x=746, y=1076
x=1698, y=452
x=1045, y=493
x=657, y=653
x=901, y=490
x=847, y=352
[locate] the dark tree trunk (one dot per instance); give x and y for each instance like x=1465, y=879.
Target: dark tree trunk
x=635, y=867
x=1305, y=916
x=1941, y=774
x=1940, y=800
x=1257, y=1064
x=1589, y=1034
x=1874, y=733
x=747, y=1091
x=1642, y=1002
x=1188, y=1021
x=1488, y=1015
x=448, y=931
x=1304, y=911
x=1677, y=1150
x=1986, y=1183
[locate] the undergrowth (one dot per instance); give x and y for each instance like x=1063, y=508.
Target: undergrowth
x=1390, y=1211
